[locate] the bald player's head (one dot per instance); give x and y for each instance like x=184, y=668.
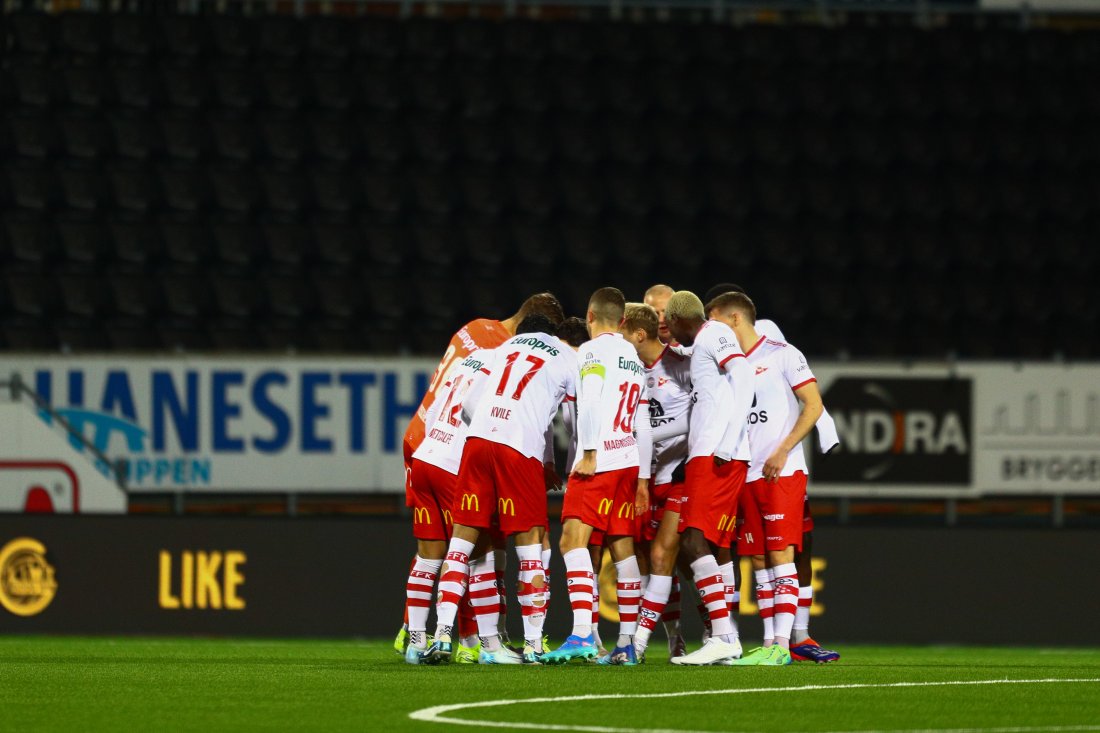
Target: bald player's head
x=685, y=316
x=657, y=297
x=605, y=310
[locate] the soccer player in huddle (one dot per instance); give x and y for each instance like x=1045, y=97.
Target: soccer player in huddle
x=775, y=491
x=608, y=480
x=668, y=381
x=503, y=476
x=718, y=455
x=482, y=333
x=657, y=297
x=803, y=646
x=434, y=472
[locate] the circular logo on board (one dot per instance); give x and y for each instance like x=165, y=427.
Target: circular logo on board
x=27, y=583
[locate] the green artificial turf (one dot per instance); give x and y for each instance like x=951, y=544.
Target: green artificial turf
x=71, y=684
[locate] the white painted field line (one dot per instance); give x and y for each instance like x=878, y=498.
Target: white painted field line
x=436, y=713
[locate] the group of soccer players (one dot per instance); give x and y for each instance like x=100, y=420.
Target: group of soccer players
x=686, y=423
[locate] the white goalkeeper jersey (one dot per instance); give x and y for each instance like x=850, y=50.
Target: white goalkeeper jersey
x=668, y=381
x=719, y=404
x=778, y=370
x=444, y=430
x=610, y=392
x=529, y=377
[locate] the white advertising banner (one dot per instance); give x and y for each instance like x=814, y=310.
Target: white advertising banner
x=274, y=424
x=236, y=424
x=961, y=430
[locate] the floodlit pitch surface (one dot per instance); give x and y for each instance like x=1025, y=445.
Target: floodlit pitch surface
x=69, y=684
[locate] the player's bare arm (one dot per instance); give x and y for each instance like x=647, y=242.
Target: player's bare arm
x=810, y=397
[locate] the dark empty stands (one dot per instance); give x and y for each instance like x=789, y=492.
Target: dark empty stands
x=262, y=181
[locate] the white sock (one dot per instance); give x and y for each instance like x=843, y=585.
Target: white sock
x=578, y=573
x=453, y=578
x=629, y=584
x=801, y=630
x=532, y=593
x=418, y=593
x=653, y=603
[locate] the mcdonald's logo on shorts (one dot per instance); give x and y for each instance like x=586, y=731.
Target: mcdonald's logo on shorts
x=421, y=515
x=447, y=517
x=605, y=506
x=626, y=509
x=469, y=501
x=727, y=522
x=506, y=506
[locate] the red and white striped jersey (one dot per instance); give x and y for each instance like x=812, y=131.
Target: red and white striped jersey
x=529, y=377
x=779, y=369
x=445, y=431
x=714, y=427
x=610, y=391
x=668, y=381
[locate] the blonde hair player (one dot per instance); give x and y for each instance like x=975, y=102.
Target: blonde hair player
x=718, y=455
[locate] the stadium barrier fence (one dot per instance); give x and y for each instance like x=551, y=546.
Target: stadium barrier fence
x=344, y=577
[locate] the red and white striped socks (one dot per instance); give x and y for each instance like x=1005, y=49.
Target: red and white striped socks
x=452, y=585
x=786, y=602
x=729, y=580
x=765, y=601
x=654, y=604
x=801, y=630
x=418, y=598
x=532, y=593
x=578, y=578
x=711, y=587
x=485, y=599
x=629, y=590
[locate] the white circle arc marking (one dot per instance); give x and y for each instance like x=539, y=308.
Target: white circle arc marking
x=437, y=713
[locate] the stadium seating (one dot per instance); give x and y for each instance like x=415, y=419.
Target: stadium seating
x=367, y=184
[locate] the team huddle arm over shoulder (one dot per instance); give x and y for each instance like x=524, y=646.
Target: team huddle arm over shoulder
x=589, y=391
x=644, y=435
x=671, y=429
x=741, y=375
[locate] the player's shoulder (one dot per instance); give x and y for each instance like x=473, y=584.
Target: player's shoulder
x=484, y=332
x=714, y=331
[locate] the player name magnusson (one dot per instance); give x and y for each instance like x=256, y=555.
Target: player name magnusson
x=619, y=443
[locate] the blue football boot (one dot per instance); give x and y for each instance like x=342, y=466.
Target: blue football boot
x=622, y=656
x=575, y=647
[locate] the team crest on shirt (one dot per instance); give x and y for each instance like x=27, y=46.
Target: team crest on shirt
x=649, y=382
